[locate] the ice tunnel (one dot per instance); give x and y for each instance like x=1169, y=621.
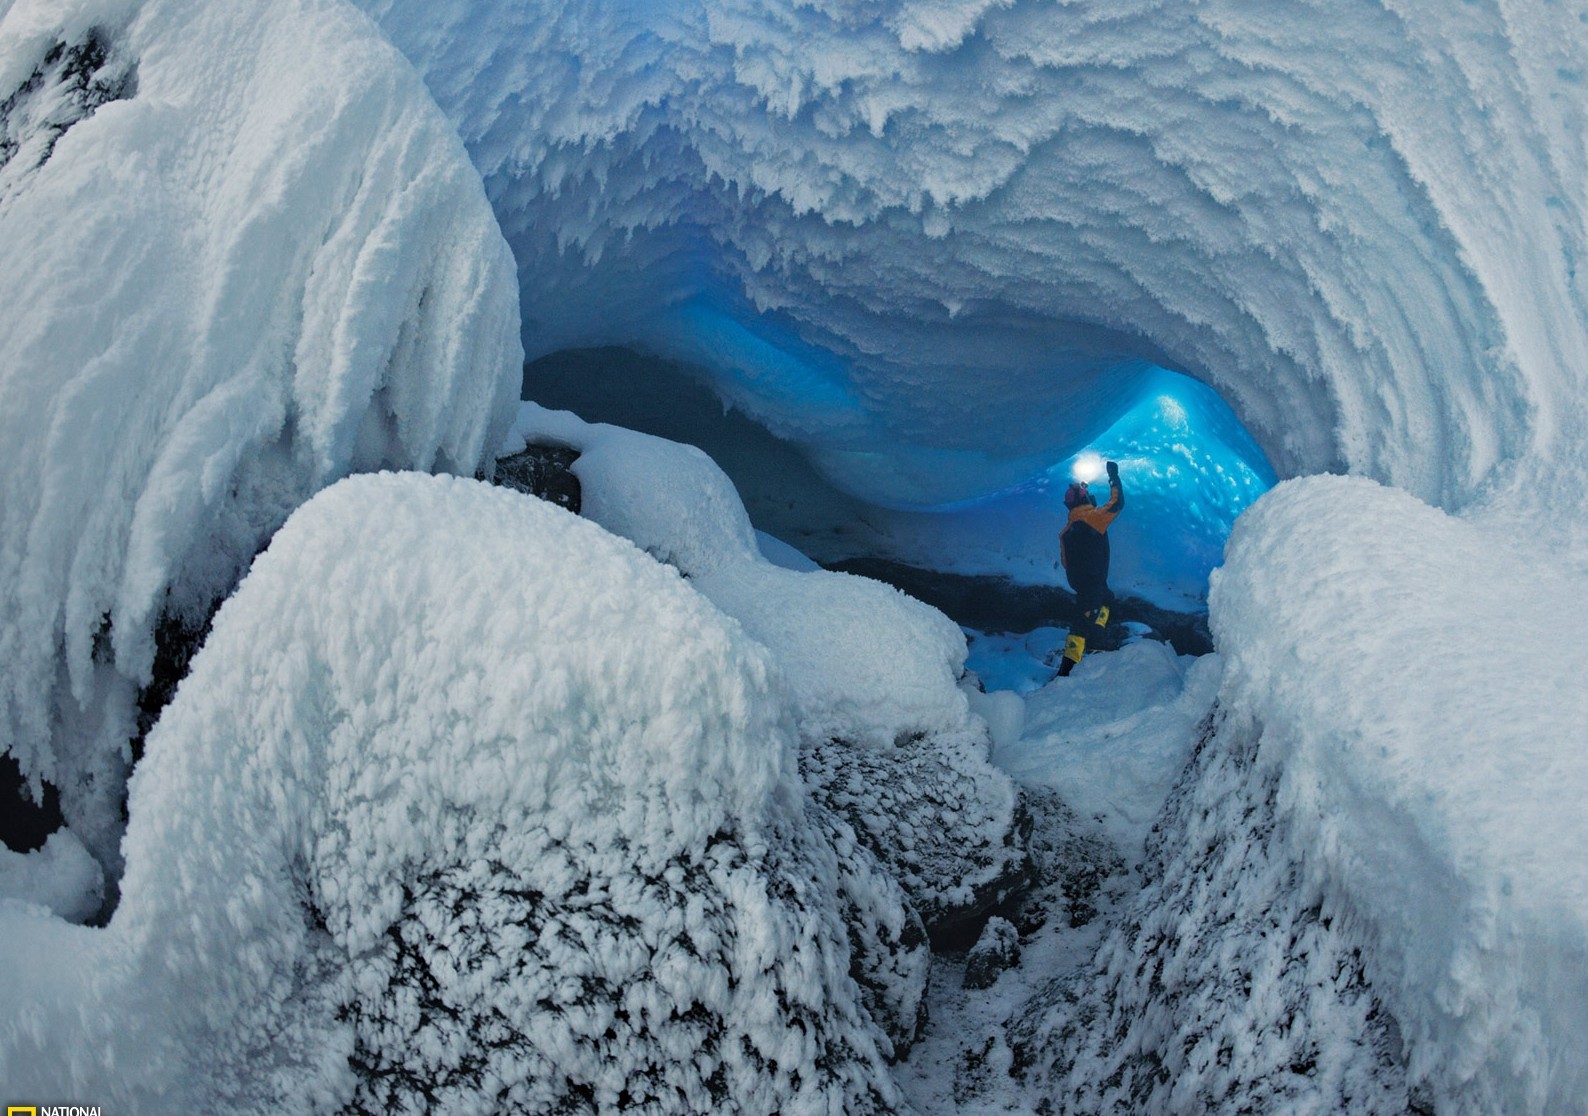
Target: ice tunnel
x=915, y=261
x=970, y=230
x=938, y=247
x=1191, y=469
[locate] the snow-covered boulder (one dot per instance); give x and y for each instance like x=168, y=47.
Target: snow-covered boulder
x=1223, y=987
x=1416, y=681
x=1367, y=891
x=866, y=663
x=467, y=803
x=245, y=255
x=890, y=743
x=997, y=950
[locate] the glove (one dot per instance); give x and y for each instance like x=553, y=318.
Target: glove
x=1113, y=470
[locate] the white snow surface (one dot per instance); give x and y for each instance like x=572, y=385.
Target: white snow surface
x=935, y=246
x=61, y=876
x=1113, y=737
x=457, y=717
x=1417, y=681
x=264, y=263
x=866, y=663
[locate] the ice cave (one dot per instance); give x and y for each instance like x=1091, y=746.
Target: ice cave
x=1192, y=468
x=340, y=772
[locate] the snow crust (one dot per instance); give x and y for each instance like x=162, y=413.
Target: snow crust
x=256, y=260
x=61, y=877
x=866, y=663
x=1115, y=739
x=894, y=747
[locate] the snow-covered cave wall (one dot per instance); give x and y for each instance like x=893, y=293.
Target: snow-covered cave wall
x=244, y=256
x=939, y=245
x=936, y=243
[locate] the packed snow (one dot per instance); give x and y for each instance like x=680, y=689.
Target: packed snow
x=866, y=663
x=61, y=876
x=467, y=798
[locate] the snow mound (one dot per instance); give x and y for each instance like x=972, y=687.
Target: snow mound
x=866, y=663
x=467, y=803
x=1224, y=986
x=1416, y=681
x=1367, y=890
x=257, y=259
x=890, y=743
x=1114, y=737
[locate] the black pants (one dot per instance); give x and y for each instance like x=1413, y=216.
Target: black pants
x=1093, y=601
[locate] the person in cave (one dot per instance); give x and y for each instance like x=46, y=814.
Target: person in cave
x=1083, y=550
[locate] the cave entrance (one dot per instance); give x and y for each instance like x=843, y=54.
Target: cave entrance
x=990, y=563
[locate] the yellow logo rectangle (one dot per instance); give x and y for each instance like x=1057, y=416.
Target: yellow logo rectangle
x=22, y=1110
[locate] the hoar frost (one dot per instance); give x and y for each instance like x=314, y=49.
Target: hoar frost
x=249, y=270
x=467, y=801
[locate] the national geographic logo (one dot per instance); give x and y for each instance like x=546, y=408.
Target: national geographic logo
x=54, y=1110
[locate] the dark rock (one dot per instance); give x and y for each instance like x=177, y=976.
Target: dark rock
x=545, y=471
x=998, y=604
x=26, y=822
x=943, y=821
x=70, y=81
x=504, y=987
x=997, y=950
x=1073, y=863
x=890, y=959
x=176, y=640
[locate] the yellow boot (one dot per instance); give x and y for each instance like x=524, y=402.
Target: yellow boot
x=1074, y=648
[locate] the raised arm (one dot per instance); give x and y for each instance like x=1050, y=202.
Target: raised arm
x=1116, y=491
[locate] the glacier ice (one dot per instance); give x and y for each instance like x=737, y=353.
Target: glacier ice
x=1189, y=466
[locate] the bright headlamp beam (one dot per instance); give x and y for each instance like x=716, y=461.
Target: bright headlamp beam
x=1088, y=467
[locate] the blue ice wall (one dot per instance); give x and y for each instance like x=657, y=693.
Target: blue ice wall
x=1189, y=467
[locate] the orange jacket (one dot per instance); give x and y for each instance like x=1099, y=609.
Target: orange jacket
x=1095, y=518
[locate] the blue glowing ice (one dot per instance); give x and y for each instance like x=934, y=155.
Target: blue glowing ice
x=1189, y=468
